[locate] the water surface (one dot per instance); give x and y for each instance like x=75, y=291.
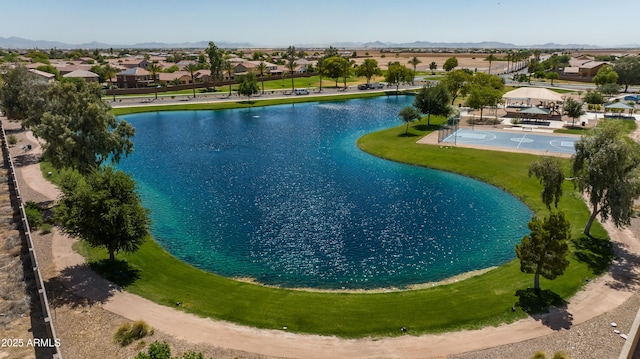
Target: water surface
x=283, y=195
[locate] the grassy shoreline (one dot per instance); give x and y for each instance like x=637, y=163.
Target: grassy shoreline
x=484, y=300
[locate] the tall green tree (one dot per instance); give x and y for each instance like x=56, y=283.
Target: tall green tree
x=544, y=251
x=397, y=74
x=347, y=70
x=491, y=58
x=249, y=86
x=192, y=69
x=109, y=72
x=79, y=129
x=408, y=115
x=450, y=64
x=415, y=61
x=334, y=67
x=216, y=62
x=103, y=209
x=456, y=81
x=22, y=95
x=368, y=69
x=606, y=75
x=262, y=70
x=593, y=97
x=628, y=70
x=552, y=75
x=228, y=68
x=154, y=69
x=549, y=171
x=321, y=70
x=433, y=101
x=573, y=109
x=607, y=167
x=291, y=64
x=483, y=90
x=433, y=67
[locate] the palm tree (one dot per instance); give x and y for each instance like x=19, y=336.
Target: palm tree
x=262, y=69
x=433, y=67
x=109, y=72
x=291, y=63
x=154, y=69
x=490, y=58
x=192, y=68
x=414, y=61
x=320, y=69
x=228, y=67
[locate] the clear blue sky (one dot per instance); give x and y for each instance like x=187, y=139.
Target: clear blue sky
x=294, y=22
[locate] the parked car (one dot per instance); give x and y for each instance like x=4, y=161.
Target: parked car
x=363, y=87
x=301, y=91
x=376, y=85
x=634, y=98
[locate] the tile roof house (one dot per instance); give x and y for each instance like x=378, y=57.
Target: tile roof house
x=44, y=76
x=134, y=77
x=134, y=62
x=83, y=74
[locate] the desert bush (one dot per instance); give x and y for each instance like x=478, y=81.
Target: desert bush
x=515, y=121
x=12, y=139
x=46, y=228
x=128, y=332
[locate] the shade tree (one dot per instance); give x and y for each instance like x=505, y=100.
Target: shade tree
x=103, y=209
x=573, y=109
x=368, y=69
x=544, y=251
x=78, y=129
x=398, y=74
x=606, y=167
x=433, y=101
x=408, y=115
x=549, y=171
x=450, y=64
x=628, y=70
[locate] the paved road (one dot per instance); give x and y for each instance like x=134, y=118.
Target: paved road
x=148, y=99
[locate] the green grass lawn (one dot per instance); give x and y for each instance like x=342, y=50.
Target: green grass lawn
x=476, y=302
x=255, y=102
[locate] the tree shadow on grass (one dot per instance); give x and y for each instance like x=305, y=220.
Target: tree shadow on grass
x=545, y=306
x=597, y=253
x=408, y=135
x=118, y=271
x=425, y=127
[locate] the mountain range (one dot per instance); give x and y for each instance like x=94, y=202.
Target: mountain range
x=21, y=43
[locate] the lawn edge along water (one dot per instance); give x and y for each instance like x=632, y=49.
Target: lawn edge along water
x=484, y=300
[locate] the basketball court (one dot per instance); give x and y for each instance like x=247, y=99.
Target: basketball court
x=525, y=141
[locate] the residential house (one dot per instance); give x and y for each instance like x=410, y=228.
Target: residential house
x=83, y=74
x=203, y=76
x=134, y=77
x=175, y=78
x=134, y=62
x=44, y=76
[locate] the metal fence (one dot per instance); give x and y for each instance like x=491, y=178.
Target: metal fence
x=26, y=233
x=447, y=129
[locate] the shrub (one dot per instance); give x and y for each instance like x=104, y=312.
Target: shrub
x=12, y=139
x=140, y=329
x=128, y=332
x=34, y=214
x=46, y=228
x=515, y=121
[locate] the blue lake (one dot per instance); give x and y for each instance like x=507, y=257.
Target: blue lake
x=283, y=195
